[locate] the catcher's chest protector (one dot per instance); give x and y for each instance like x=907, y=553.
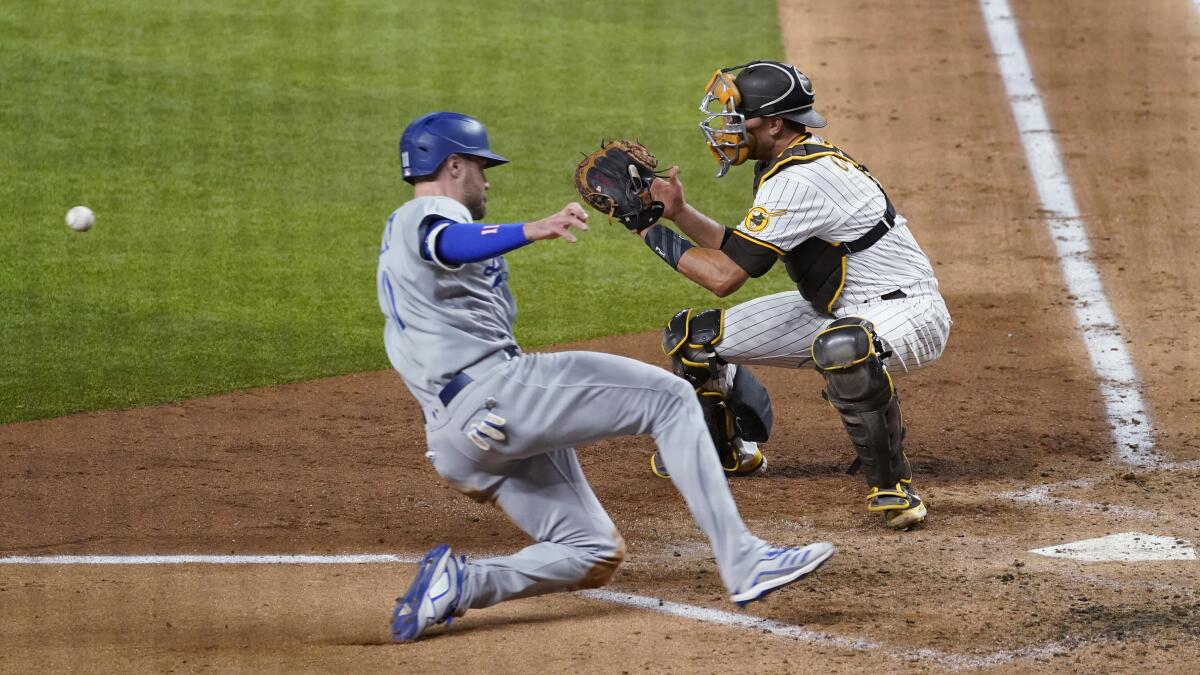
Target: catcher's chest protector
x=818, y=267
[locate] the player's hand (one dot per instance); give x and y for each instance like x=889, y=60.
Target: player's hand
x=669, y=191
x=558, y=225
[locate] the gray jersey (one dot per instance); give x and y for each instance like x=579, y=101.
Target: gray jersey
x=440, y=318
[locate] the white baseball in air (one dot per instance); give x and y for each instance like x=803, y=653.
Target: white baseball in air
x=80, y=218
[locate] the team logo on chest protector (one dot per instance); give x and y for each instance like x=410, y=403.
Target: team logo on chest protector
x=758, y=218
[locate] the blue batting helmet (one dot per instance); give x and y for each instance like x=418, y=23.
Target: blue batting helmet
x=430, y=139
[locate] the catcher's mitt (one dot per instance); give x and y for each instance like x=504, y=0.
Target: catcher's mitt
x=615, y=180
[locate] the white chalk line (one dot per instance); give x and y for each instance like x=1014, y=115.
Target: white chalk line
x=801, y=634
x=692, y=612
x=1119, y=387
x=358, y=559
x=1040, y=494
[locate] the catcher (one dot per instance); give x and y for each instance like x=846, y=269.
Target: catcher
x=866, y=305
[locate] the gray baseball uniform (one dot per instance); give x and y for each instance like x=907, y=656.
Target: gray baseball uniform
x=443, y=320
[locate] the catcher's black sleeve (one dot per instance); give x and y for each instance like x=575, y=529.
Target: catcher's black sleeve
x=749, y=255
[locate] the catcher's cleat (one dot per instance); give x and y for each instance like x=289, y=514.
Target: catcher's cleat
x=901, y=506
x=657, y=467
x=749, y=460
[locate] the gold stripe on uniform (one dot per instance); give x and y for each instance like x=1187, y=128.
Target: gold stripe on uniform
x=775, y=249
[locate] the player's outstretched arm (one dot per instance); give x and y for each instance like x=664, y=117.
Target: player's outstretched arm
x=700, y=228
x=450, y=244
x=558, y=225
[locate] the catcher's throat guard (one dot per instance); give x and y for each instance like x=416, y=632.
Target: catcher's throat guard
x=724, y=127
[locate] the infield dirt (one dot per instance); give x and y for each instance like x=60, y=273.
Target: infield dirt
x=912, y=90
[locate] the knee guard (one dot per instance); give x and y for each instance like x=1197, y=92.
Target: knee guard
x=849, y=354
x=691, y=340
x=743, y=410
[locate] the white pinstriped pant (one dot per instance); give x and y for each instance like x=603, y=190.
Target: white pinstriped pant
x=778, y=330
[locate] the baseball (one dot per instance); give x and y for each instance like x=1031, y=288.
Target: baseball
x=80, y=218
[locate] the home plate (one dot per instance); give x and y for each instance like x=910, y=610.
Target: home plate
x=1126, y=547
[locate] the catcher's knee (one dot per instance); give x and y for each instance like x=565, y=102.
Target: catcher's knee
x=850, y=355
x=691, y=339
x=738, y=407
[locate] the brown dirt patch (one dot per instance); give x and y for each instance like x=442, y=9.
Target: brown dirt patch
x=337, y=465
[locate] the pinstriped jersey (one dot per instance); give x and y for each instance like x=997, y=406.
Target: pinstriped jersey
x=833, y=200
x=439, y=319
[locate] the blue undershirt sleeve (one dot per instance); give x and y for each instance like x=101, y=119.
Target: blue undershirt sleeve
x=449, y=243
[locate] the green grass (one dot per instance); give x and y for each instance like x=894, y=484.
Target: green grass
x=241, y=160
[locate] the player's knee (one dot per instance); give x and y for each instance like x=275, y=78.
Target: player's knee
x=667, y=384
x=843, y=344
x=680, y=388
x=850, y=355
x=605, y=559
x=690, y=339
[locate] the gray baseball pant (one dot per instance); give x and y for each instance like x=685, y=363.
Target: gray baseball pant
x=552, y=403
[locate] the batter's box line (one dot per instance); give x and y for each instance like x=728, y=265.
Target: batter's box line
x=203, y=559
x=750, y=622
x=1040, y=495
x=660, y=605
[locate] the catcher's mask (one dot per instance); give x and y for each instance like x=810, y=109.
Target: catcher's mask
x=761, y=89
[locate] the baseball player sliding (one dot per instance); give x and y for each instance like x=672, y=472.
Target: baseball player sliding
x=867, y=303
x=501, y=425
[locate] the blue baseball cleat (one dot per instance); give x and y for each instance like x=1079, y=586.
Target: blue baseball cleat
x=433, y=596
x=780, y=567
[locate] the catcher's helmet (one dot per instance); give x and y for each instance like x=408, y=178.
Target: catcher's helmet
x=761, y=89
x=430, y=139
x=774, y=89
